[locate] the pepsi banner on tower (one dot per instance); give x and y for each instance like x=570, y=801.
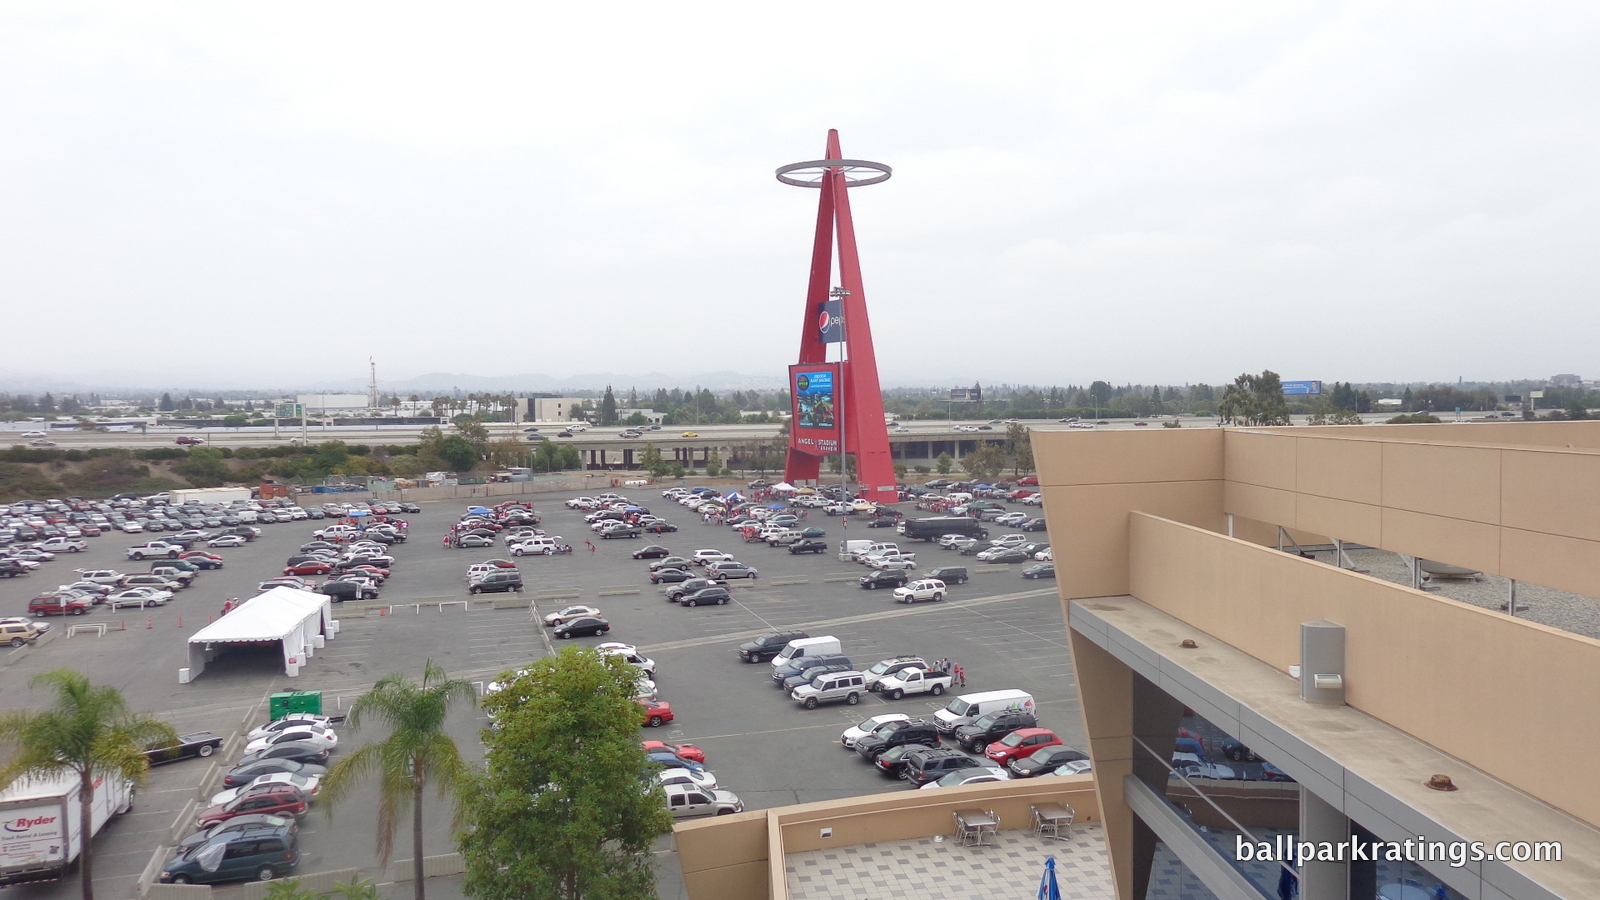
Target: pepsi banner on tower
x=830, y=322
x=814, y=405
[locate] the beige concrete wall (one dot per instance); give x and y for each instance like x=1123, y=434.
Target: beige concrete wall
x=1432, y=667
x=1091, y=481
x=730, y=857
x=1524, y=512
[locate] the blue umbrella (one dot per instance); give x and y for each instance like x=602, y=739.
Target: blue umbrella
x=1048, y=888
x=478, y=511
x=360, y=512
x=776, y=506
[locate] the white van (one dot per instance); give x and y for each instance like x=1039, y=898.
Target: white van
x=965, y=709
x=849, y=549
x=540, y=544
x=874, y=547
x=816, y=646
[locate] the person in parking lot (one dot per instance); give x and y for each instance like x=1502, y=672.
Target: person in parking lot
x=590, y=545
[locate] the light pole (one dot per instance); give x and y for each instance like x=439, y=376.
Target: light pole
x=839, y=294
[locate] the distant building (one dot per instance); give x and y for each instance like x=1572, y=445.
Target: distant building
x=551, y=409
x=650, y=415
x=1566, y=380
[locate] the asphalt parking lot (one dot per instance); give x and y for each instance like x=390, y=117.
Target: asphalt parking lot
x=1005, y=631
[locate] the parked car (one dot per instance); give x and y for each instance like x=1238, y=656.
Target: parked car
x=1040, y=570
x=714, y=595
x=894, y=664
x=299, y=751
x=808, y=545
x=975, y=775
x=895, y=734
x=685, y=588
x=54, y=605
x=922, y=589
x=582, y=626
x=568, y=613
x=316, y=735
x=279, y=800
x=992, y=727
x=929, y=765
x=187, y=746
x=16, y=631
x=1045, y=761
x=767, y=645
x=652, y=551
x=868, y=726
x=732, y=570
x=656, y=713
x=683, y=751
x=263, y=853
x=1020, y=743
x=686, y=801
x=883, y=578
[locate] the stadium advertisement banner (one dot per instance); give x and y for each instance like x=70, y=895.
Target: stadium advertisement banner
x=814, y=403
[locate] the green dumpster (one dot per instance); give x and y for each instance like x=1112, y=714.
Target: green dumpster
x=281, y=704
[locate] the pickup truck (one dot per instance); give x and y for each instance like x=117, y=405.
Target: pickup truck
x=808, y=545
x=892, y=559
x=913, y=681
x=63, y=545
x=154, y=549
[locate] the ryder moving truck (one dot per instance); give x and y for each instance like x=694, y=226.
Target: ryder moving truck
x=40, y=819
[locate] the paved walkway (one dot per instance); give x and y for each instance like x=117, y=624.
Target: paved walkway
x=935, y=869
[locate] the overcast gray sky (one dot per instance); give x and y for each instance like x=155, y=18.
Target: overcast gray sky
x=235, y=194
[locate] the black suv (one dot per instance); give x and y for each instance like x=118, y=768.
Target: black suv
x=11, y=568
x=716, y=594
x=992, y=727
x=768, y=645
x=884, y=578
x=684, y=588
x=896, y=734
x=497, y=582
x=950, y=574
x=923, y=766
x=347, y=590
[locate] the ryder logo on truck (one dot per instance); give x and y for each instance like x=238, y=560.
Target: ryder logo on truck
x=26, y=824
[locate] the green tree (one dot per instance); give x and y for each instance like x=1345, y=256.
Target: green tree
x=943, y=464
x=508, y=452
x=205, y=467
x=713, y=462
x=451, y=452
x=166, y=404
x=88, y=732
x=561, y=812
x=236, y=420
x=416, y=753
x=608, y=408
x=1254, y=400
x=984, y=462
x=650, y=460
x=1019, y=448
x=568, y=457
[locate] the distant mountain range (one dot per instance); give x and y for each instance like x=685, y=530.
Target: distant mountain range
x=431, y=384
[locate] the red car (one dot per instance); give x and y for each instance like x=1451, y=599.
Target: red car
x=1020, y=744
x=374, y=571
x=201, y=554
x=284, y=800
x=1032, y=480
x=51, y=605
x=656, y=713
x=308, y=568
x=500, y=563
x=188, y=441
x=686, y=751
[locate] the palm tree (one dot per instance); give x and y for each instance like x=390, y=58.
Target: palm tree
x=416, y=752
x=89, y=732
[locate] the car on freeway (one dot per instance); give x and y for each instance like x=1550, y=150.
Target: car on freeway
x=33, y=434
x=1040, y=570
x=187, y=746
x=568, y=613
x=188, y=441
x=1020, y=743
x=690, y=434
x=1045, y=761
x=582, y=626
x=670, y=576
x=245, y=772
x=716, y=595
x=652, y=551
x=656, y=713
x=977, y=774
x=685, y=801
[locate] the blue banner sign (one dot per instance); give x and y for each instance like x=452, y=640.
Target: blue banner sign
x=1302, y=387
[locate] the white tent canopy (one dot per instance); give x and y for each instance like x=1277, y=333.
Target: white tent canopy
x=301, y=620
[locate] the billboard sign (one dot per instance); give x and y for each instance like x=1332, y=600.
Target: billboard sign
x=966, y=395
x=1302, y=387
x=814, y=400
x=830, y=322
x=289, y=411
